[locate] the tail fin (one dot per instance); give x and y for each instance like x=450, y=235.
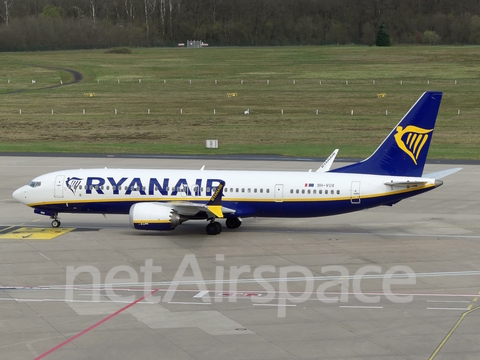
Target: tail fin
x=404, y=150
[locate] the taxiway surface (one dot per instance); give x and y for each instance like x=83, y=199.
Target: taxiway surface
x=436, y=234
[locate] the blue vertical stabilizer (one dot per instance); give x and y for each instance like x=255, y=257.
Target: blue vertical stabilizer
x=404, y=151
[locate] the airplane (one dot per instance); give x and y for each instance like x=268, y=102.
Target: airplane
x=163, y=199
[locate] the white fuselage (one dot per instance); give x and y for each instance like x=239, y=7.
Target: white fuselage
x=249, y=193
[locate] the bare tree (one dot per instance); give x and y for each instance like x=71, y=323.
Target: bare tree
x=162, y=15
x=170, y=4
x=7, y=6
x=93, y=7
x=149, y=4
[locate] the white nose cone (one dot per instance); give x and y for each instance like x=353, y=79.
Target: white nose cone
x=19, y=194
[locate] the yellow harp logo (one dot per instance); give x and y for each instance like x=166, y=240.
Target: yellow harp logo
x=413, y=143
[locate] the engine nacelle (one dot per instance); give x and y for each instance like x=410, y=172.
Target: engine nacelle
x=154, y=216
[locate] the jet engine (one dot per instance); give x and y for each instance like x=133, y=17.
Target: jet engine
x=154, y=216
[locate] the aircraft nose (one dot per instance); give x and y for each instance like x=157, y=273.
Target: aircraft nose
x=19, y=194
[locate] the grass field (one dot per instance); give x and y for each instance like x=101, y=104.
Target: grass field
x=299, y=131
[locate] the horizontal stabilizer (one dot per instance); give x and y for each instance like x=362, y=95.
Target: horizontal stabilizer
x=442, y=174
x=327, y=164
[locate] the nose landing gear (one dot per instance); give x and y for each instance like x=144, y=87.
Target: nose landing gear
x=55, y=222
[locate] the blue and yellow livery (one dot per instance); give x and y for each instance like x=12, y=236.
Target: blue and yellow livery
x=164, y=199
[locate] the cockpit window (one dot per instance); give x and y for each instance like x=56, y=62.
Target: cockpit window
x=34, y=184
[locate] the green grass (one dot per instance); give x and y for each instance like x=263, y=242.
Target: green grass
x=299, y=131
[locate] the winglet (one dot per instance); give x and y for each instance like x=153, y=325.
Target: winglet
x=214, y=205
x=327, y=164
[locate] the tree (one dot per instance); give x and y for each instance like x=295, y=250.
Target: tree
x=52, y=12
x=430, y=37
x=368, y=34
x=382, y=37
x=7, y=8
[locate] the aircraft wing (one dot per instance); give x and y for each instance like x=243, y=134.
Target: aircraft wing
x=327, y=164
x=213, y=207
x=191, y=209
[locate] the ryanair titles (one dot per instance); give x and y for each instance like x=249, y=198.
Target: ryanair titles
x=152, y=186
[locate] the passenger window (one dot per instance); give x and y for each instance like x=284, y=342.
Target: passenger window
x=261, y=191
x=338, y=192
x=108, y=187
x=243, y=190
x=291, y=191
x=255, y=190
x=298, y=191
x=249, y=190
x=320, y=192
x=226, y=189
x=314, y=191
x=303, y=191
x=268, y=190
x=308, y=191
x=332, y=192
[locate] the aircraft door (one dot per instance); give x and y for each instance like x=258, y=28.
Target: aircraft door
x=279, y=193
x=58, y=192
x=355, y=192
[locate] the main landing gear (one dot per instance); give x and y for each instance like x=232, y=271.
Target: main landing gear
x=233, y=222
x=55, y=222
x=215, y=228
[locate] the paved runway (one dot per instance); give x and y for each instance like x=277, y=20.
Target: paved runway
x=110, y=312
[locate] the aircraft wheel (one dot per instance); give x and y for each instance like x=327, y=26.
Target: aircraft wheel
x=212, y=229
x=233, y=223
x=218, y=226
x=56, y=223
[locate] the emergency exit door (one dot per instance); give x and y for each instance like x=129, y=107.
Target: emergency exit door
x=279, y=193
x=355, y=192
